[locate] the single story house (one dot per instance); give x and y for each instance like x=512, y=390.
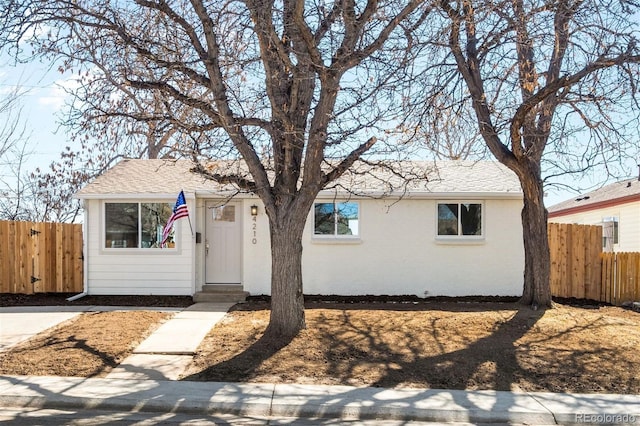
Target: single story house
x=616, y=207
x=456, y=232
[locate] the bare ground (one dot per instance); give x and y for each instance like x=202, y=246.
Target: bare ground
x=89, y=345
x=60, y=299
x=446, y=345
x=450, y=344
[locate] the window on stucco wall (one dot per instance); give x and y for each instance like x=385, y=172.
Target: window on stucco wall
x=136, y=225
x=336, y=219
x=458, y=219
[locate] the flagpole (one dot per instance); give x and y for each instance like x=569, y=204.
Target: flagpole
x=190, y=227
x=189, y=216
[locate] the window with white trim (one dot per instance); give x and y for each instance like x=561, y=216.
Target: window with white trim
x=336, y=219
x=136, y=225
x=459, y=219
x=609, y=232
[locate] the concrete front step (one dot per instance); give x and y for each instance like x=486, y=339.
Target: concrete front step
x=222, y=288
x=223, y=293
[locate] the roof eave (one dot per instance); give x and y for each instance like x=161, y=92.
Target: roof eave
x=323, y=194
x=475, y=195
x=129, y=196
x=594, y=206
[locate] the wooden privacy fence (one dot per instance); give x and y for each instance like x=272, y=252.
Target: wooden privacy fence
x=575, y=260
x=40, y=257
x=621, y=277
x=580, y=269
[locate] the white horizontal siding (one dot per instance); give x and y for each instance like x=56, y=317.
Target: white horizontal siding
x=104, y=290
x=629, y=227
x=158, y=268
x=127, y=271
x=148, y=275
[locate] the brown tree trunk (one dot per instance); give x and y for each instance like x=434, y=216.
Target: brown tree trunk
x=537, y=287
x=287, y=300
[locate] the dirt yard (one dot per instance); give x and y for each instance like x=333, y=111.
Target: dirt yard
x=60, y=299
x=441, y=344
x=89, y=345
x=500, y=346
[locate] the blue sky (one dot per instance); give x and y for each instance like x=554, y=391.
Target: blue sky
x=43, y=104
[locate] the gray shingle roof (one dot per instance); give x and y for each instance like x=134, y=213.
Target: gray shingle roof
x=153, y=177
x=167, y=177
x=616, y=191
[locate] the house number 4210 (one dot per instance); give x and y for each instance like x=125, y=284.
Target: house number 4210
x=254, y=228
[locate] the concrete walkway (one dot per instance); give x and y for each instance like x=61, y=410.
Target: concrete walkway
x=162, y=356
x=20, y=323
x=168, y=351
x=145, y=382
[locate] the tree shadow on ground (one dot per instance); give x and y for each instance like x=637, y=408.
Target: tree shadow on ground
x=81, y=350
x=516, y=354
x=493, y=355
x=244, y=364
x=506, y=349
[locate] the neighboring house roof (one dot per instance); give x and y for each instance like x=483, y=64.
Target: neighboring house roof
x=165, y=178
x=625, y=191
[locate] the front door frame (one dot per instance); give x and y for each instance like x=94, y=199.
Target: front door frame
x=209, y=205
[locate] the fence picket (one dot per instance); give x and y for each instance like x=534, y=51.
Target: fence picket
x=608, y=261
x=594, y=267
x=36, y=257
x=78, y=258
x=4, y=255
x=12, y=250
x=24, y=257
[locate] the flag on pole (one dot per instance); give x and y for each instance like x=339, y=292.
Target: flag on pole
x=179, y=211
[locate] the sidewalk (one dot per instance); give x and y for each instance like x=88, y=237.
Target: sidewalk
x=145, y=382
x=18, y=325
x=326, y=402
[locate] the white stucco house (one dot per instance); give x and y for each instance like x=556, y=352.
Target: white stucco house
x=616, y=207
x=457, y=233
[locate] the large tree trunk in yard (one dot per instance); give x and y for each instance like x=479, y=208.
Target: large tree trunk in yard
x=287, y=301
x=537, y=287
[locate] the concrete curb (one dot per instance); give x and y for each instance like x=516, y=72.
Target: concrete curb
x=305, y=401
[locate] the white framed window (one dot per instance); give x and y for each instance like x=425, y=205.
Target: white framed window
x=336, y=219
x=609, y=232
x=136, y=225
x=460, y=219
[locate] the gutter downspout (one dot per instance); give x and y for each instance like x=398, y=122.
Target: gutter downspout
x=77, y=296
x=85, y=259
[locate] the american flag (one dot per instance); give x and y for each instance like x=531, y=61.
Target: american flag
x=179, y=211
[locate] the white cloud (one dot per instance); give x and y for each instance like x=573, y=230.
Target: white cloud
x=56, y=95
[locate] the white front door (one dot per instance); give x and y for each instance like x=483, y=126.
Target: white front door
x=223, y=243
